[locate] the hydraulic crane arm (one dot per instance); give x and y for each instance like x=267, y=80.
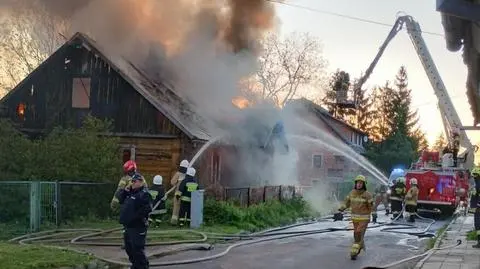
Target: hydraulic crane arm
x=451, y=120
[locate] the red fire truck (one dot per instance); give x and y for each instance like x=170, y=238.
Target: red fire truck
x=442, y=187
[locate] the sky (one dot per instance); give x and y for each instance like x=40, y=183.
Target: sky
x=351, y=45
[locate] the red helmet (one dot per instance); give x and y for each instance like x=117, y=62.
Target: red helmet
x=129, y=166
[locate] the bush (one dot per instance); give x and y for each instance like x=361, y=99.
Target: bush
x=63, y=155
x=269, y=214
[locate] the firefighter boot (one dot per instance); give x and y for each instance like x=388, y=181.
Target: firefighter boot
x=478, y=242
x=357, y=245
x=411, y=218
x=387, y=212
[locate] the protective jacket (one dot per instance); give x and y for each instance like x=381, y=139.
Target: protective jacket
x=186, y=187
x=176, y=179
x=398, y=191
x=136, y=206
x=157, y=192
x=412, y=196
x=361, y=203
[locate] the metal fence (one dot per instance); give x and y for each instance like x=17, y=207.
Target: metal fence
x=29, y=205
x=253, y=195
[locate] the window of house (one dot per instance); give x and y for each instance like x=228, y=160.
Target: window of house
x=81, y=93
x=339, y=159
x=126, y=155
x=317, y=161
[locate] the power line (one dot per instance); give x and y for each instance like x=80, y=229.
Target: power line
x=343, y=16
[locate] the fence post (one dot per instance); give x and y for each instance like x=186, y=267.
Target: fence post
x=35, y=206
x=248, y=196
x=58, y=204
x=280, y=193
x=264, y=194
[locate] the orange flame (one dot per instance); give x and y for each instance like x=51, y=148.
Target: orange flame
x=240, y=102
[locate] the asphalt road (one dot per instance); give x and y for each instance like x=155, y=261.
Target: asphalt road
x=326, y=251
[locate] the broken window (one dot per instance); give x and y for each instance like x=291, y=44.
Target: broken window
x=317, y=161
x=21, y=111
x=81, y=93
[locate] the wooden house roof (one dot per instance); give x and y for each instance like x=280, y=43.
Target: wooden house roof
x=157, y=92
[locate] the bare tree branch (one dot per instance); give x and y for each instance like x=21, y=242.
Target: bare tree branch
x=288, y=65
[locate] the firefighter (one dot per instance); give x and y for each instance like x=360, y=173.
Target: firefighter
x=397, y=195
x=175, y=182
x=381, y=196
x=129, y=169
x=475, y=203
x=361, y=203
x=158, y=196
x=188, y=185
x=136, y=206
x=411, y=199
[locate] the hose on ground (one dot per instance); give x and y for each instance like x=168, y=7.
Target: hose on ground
x=194, y=244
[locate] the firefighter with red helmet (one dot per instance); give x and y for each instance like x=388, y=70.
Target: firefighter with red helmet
x=361, y=203
x=475, y=203
x=411, y=199
x=129, y=169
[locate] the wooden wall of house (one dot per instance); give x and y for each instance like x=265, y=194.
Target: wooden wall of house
x=75, y=82
x=155, y=156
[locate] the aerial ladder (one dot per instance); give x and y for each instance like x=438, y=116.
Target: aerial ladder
x=452, y=124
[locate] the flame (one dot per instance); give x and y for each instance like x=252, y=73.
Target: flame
x=241, y=102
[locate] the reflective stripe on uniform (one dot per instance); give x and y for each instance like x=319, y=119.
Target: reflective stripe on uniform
x=154, y=194
x=360, y=217
x=478, y=232
x=185, y=199
x=411, y=203
x=178, y=193
x=396, y=198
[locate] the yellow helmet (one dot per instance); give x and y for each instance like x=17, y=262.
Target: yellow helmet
x=401, y=179
x=361, y=178
x=476, y=171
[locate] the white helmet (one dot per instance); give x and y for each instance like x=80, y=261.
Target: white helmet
x=413, y=181
x=191, y=171
x=157, y=180
x=184, y=163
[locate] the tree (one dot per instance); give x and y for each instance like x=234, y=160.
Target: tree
x=29, y=35
x=340, y=81
x=440, y=143
x=287, y=65
x=365, y=113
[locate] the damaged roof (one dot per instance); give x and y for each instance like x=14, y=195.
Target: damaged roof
x=158, y=93
x=330, y=121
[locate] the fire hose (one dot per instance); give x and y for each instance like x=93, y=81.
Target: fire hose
x=94, y=236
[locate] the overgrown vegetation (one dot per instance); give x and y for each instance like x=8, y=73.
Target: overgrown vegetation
x=431, y=241
x=63, y=155
x=269, y=214
x=38, y=257
x=472, y=235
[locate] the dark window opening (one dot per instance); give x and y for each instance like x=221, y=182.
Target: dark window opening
x=317, y=161
x=126, y=155
x=21, y=111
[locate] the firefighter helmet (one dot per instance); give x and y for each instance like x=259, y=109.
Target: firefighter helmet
x=476, y=171
x=361, y=178
x=129, y=166
x=413, y=181
x=401, y=179
x=157, y=180
x=191, y=171
x=184, y=164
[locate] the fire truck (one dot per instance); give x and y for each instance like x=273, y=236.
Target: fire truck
x=443, y=179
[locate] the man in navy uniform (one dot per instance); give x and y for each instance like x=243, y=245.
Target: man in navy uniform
x=136, y=204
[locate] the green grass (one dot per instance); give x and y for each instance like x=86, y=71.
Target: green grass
x=431, y=241
x=36, y=257
x=472, y=235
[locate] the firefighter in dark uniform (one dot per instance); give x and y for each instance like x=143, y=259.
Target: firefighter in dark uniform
x=157, y=191
x=475, y=203
x=187, y=186
x=136, y=204
x=397, y=195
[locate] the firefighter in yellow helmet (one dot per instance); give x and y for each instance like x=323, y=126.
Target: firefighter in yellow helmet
x=361, y=203
x=397, y=195
x=175, y=183
x=411, y=199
